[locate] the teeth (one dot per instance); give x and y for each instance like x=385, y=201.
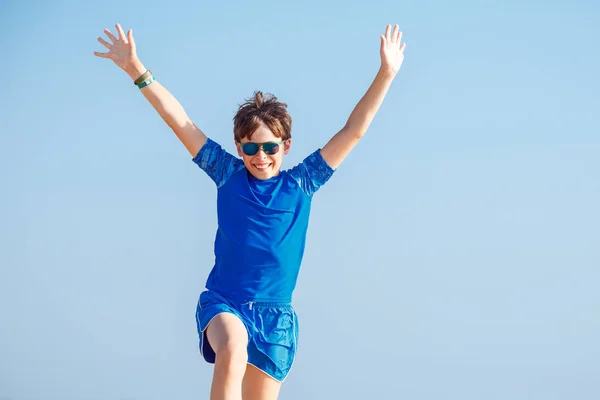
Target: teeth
x=262, y=166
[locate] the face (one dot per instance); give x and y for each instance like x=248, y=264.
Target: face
x=262, y=165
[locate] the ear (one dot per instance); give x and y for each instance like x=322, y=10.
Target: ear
x=286, y=146
x=239, y=149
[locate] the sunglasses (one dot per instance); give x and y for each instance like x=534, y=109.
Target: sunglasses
x=250, y=148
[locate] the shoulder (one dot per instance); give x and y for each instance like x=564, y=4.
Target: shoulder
x=217, y=162
x=211, y=151
x=312, y=173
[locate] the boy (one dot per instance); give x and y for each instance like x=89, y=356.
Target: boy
x=246, y=323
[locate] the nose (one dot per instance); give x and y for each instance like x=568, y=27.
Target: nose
x=261, y=153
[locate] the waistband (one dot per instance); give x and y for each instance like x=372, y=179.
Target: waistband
x=251, y=302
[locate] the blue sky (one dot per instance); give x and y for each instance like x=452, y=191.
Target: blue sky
x=454, y=255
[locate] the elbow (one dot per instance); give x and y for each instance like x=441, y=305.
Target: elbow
x=355, y=131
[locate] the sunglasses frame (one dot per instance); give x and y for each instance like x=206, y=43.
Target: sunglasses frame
x=260, y=147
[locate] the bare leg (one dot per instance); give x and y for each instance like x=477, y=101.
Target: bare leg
x=228, y=337
x=259, y=386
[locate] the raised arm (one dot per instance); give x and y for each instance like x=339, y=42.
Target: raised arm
x=122, y=51
x=392, y=56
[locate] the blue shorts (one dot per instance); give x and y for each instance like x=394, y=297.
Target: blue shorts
x=272, y=331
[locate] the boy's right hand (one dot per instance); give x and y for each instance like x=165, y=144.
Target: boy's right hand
x=122, y=52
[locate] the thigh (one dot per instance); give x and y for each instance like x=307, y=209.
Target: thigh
x=227, y=332
x=259, y=386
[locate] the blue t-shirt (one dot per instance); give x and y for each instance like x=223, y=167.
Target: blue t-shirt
x=262, y=225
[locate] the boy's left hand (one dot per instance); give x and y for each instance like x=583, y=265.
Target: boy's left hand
x=392, y=53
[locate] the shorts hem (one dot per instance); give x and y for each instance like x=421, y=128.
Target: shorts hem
x=268, y=374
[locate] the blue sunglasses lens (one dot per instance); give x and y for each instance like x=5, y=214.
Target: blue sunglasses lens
x=271, y=148
x=250, y=149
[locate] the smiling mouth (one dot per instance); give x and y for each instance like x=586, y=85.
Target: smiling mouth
x=262, y=167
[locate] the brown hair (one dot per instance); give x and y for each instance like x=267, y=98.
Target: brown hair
x=262, y=109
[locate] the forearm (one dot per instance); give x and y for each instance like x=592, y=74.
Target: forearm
x=364, y=112
x=165, y=104
x=392, y=56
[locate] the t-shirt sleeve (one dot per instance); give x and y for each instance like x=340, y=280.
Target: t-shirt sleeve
x=312, y=173
x=217, y=162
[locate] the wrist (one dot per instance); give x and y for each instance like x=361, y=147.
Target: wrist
x=387, y=72
x=135, y=70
